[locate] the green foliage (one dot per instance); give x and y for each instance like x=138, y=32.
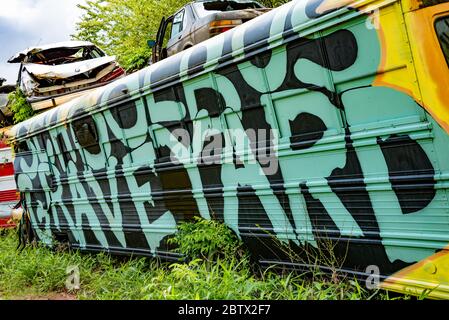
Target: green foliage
x=123, y=27
x=40, y=272
x=18, y=104
x=207, y=239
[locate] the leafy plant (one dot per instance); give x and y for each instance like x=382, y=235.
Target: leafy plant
x=207, y=239
x=137, y=60
x=18, y=104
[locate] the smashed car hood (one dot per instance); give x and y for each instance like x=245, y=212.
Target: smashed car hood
x=64, y=71
x=18, y=57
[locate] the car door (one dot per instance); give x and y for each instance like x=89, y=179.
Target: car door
x=156, y=56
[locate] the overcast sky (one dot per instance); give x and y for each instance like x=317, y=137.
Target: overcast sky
x=25, y=23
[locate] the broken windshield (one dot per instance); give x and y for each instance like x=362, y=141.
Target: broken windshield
x=59, y=56
x=206, y=8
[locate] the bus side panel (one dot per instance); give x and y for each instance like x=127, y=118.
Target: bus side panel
x=34, y=180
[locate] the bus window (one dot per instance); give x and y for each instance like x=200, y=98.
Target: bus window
x=86, y=134
x=442, y=29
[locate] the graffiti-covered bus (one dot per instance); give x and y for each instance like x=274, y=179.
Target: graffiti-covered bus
x=321, y=124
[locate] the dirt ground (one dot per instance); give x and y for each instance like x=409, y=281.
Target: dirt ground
x=51, y=296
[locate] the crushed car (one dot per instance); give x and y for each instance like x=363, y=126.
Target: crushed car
x=199, y=21
x=56, y=73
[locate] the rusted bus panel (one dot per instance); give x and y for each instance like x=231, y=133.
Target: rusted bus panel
x=306, y=127
x=9, y=196
x=419, y=4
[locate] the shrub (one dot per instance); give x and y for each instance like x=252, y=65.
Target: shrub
x=18, y=104
x=206, y=239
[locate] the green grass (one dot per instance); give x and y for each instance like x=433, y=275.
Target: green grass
x=38, y=271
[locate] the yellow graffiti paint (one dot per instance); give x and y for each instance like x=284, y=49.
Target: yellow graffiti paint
x=397, y=66
x=431, y=67
x=423, y=74
x=429, y=277
x=410, y=5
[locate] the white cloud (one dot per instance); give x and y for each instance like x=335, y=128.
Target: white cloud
x=12, y=9
x=27, y=23
x=49, y=19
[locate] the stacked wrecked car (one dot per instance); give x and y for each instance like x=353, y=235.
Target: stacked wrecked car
x=53, y=74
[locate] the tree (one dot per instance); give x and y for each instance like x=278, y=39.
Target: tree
x=123, y=27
